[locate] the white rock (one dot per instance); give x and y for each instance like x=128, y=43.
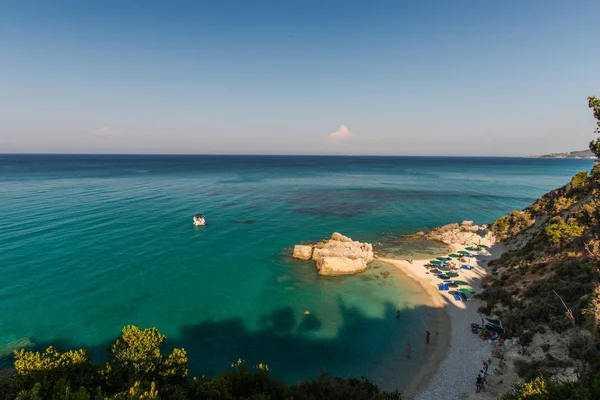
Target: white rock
x=340, y=238
x=333, y=266
x=302, y=252
x=339, y=255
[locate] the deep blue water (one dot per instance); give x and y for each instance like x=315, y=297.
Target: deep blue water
x=89, y=244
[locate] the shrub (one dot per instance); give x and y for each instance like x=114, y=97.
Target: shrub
x=582, y=347
x=545, y=347
x=499, y=227
x=559, y=232
x=579, y=183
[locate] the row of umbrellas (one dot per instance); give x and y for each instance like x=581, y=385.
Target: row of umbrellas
x=479, y=246
x=441, y=260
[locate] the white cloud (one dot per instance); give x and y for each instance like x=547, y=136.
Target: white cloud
x=342, y=134
x=104, y=131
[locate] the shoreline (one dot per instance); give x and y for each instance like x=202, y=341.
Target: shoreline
x=440, y=337
x=454, y=338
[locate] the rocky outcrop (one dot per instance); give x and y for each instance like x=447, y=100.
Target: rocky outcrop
x=466, y=232
x=303, y=252
x=339, y=255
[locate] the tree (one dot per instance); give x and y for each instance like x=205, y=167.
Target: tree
x=136, y=356
x=594, y=104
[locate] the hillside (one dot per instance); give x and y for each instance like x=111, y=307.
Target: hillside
x=546, y=289
x=553, y=246
x=568, y=154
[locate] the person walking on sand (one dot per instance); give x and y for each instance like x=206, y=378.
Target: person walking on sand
x=408, y=351
x=427, y=336
x=482, y=376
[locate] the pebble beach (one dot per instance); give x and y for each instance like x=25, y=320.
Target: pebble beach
x=456, y=354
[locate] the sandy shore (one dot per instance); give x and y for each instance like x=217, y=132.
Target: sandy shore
x=456, y=354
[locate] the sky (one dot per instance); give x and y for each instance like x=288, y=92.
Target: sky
x=377, y=77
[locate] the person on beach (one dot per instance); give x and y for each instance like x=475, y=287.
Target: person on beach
x=478, y=384
x=427, y=337
x=408, y=351
x=482, y=376
x=398, y=314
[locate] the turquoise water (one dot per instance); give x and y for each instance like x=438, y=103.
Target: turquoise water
x=92, y=243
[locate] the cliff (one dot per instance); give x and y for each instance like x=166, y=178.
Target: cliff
x=568, y=154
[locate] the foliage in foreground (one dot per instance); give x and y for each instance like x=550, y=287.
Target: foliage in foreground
x=539, y=388
x=136, y=369
x=594, y=104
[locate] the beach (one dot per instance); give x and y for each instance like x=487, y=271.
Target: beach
x=447, y=373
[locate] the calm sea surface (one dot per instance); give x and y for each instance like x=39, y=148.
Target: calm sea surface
x=89, y=244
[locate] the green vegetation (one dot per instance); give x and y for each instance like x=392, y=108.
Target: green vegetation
x=559, y=232
x=136, y=369
x=552, y=279
x=512, y=224
x=594, y=104
x=539, y=388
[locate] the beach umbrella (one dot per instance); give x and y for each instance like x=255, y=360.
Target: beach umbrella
x=442, y=258
x=454, y=255
x=435, y=262
x=467, y=290
x=443, y=268
x=466, y=253
x=471, y=248
x=484, y=246
x=462, y=283
x=452, y=274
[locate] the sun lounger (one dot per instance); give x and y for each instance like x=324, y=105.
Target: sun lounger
x=457, y=297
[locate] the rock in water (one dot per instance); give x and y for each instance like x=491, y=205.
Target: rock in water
x=302, y=252
x=334, y=266
x=339, y=255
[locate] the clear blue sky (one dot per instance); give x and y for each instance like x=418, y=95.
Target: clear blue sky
x=250, y=76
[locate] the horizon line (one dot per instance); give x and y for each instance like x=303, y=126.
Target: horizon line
x=280, y=155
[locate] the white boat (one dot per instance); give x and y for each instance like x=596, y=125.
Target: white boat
x=199, y=220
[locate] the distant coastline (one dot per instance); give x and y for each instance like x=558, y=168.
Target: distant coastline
x=580, y=154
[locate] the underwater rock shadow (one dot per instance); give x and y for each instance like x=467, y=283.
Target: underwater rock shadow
x=284, y=341
x=287, y=345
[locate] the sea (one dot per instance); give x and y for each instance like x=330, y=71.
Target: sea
x=91, y=243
